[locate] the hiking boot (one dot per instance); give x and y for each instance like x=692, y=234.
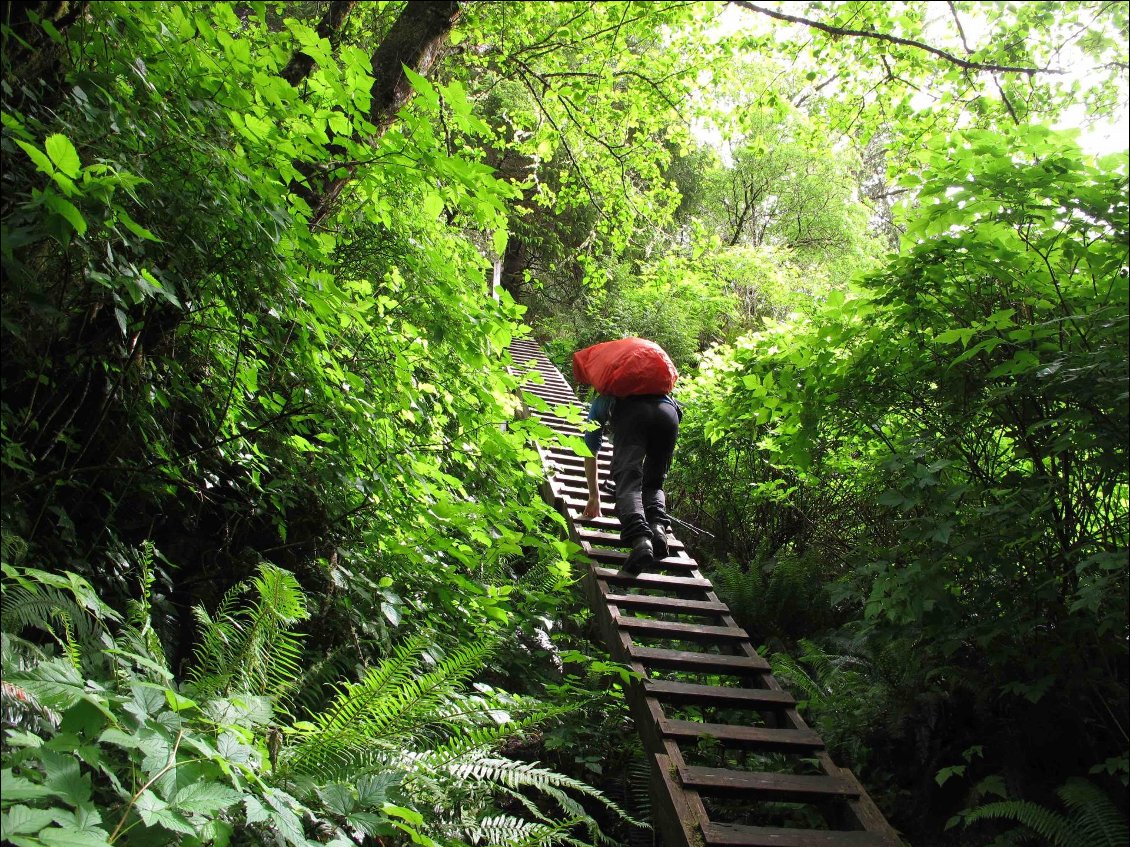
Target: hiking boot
x=660, y=541
x=641, y=555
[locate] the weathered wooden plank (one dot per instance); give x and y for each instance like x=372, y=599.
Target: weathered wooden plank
x=650, y=580
x=570, y=461
x=616, y=558
x=673, y=691
x=565, y=429
x=687, y=660
x=573, y=485
x=675, y=605
x=604, y=522
x=679, y=631
x=567, y=453
x=749, y=737
x=731, y=835
x=785, y=787
x=600, y=537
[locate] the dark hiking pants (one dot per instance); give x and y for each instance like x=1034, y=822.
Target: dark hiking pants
x=644, y=432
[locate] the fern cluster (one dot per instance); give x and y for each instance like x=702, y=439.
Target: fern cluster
x=252, y=648
x=839, y=691
x=778, y=599
x=1092, y=819
x=409, y=747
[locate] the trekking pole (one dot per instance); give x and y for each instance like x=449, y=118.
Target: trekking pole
x=610, y=487
x=690, y=526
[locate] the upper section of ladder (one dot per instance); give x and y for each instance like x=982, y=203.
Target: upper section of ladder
x=733, y=762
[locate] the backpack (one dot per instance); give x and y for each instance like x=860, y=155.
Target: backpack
x=625, y=368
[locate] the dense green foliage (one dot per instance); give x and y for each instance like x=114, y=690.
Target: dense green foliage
x=964, y=410
x=275, y=564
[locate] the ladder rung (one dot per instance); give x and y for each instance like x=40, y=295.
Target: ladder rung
x=666, y=604
x=688, y=660
x=750, y=737
x=651, y=580
x=611, y=537
x=672, y=691
x=679, y=631
x=617, y=557
x=777, y=786
x=731, y=835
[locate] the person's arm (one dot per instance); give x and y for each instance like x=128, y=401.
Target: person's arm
x=594, y=439
x=592, y=477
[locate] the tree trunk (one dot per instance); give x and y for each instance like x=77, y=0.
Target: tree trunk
x=31, y=58
x=415, y=41
x=329, y=28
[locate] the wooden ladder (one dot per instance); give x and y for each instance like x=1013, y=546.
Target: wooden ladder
x=705, y=697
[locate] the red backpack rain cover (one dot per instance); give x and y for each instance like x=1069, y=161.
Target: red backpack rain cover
x=625, y=367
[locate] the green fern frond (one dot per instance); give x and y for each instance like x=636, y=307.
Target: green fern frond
x=280, y=596
x=1094, y=816
x=390, y=676
x=13, y=548
x=140, y=653
x=251, y=649
x=792, y=672
x=473, y=740
x=639, y=780
x=1094, y=821
x=740, y=588
x=390, y=705
x=211, y=668
x=516, y=776
x=1047, y=824
x=64, y=606
x=45, y=608
x=54, y=684
x=508, y=831
x=140, y=638
x=545, y=578
x=19, y=654
x=311, y=687
x=71, y=648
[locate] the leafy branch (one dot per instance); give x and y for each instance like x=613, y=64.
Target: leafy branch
x=840, y=32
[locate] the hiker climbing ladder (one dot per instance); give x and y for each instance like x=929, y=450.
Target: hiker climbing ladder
x=733, y=763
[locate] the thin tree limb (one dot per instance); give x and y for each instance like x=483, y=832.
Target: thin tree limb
x=894, y=39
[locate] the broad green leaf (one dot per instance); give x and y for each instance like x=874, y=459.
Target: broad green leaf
x=63, y=154
x=423, y=87
x=21, y=820
x=178, y=703
x=433, y=205
x=172, y=820
x=285, y=820
x=15, y=787
x=338, y=798
x=113, y=735
x=36, y=155
x=205, y=797
x=499, y=239
x=63, y=776
x=405, y=814
x=65, y=837
x=67, y=210
x=134, y=227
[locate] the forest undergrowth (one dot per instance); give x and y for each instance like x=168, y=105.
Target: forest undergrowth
x=275, y=565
